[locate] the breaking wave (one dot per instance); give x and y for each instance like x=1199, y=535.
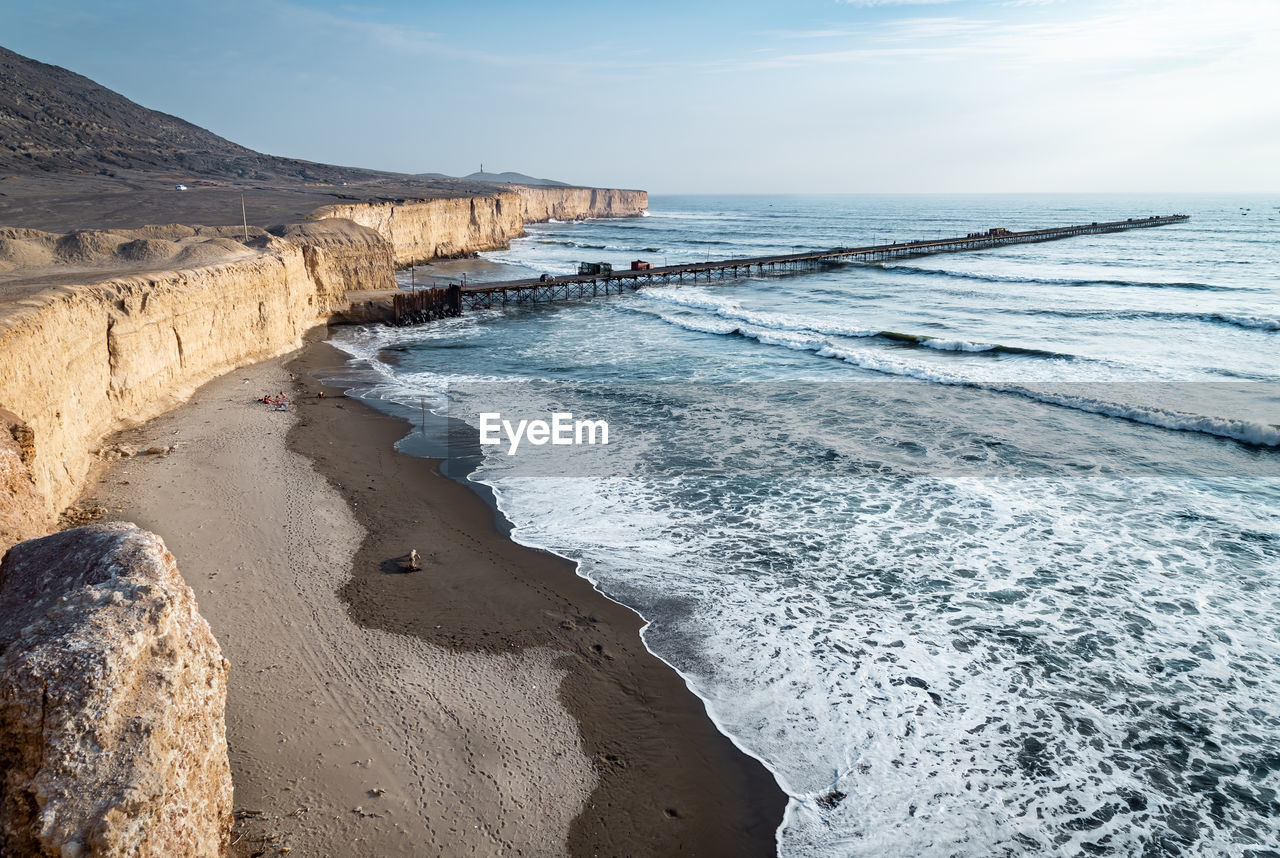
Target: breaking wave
x=1052, y=281
x=798, y=334
x=730, y=312
x=1255, y=323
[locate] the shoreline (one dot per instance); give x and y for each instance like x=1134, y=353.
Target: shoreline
x=669, y=781
x=350, y=676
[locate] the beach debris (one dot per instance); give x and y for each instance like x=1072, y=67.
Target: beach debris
x=831, y=799
x=377, y=791
x=75, y=516
x=158, y=451
x=412, y=561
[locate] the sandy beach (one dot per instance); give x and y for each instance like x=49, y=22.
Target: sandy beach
x=492, y=703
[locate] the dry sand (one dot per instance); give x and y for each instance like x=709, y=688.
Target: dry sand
x=505, y=707
x=32, y=261
x=474, y=751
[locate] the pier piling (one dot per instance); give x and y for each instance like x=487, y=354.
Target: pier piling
x=426, y=304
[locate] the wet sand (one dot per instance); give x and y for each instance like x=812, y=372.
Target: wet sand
x=492, y=703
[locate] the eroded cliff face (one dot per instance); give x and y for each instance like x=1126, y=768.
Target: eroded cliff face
x=543, y=204
x=112, y=693
x=22, y=510
x=439, y=229
x=80, y=362
x=112, y=687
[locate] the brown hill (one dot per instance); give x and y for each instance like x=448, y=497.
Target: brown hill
x=56, y=121
x=76, y=155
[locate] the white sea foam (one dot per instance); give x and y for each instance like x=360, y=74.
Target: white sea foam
x=731, y=310
x=1259, y=323
x=955, y=345
x=800, y=338
x=1249, y=431
x=955, y=700
x=1056, y=281
x=931, y=664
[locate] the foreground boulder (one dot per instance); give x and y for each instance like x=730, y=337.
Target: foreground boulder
x=112, y=692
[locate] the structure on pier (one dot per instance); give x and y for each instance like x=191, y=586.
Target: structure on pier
x=603, y=280
x=425, y=305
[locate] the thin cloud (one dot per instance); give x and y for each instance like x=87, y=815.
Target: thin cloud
x=1117, y=37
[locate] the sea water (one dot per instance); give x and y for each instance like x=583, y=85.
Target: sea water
x=979, y=553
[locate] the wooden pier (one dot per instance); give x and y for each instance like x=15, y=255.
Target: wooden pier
x=424, y=305
x=410, y=308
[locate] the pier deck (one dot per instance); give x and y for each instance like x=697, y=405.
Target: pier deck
x=412, y=307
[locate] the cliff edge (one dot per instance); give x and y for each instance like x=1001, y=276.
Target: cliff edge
x=112, y=692
x=112, y=687
x=423, y=230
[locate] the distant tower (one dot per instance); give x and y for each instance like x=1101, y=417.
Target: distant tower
x=482, y=166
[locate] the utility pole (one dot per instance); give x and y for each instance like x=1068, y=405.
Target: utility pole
x=244, y=219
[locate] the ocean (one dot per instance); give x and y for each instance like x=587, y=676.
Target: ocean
x=978, y=552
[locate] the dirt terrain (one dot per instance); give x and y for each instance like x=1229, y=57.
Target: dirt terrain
x=76, y=155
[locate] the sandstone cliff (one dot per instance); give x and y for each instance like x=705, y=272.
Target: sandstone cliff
x=78, y=363
x=436, y=229
x=112, y=692
x=22, y=510
x=543, y=204
x=111, y=685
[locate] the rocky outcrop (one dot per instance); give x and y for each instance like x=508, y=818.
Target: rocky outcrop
x=438, y=229
x=543, y=204
x=112, y=692
x=340, y=257
x=22, y=514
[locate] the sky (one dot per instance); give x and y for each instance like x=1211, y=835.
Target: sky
x=803, y=96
